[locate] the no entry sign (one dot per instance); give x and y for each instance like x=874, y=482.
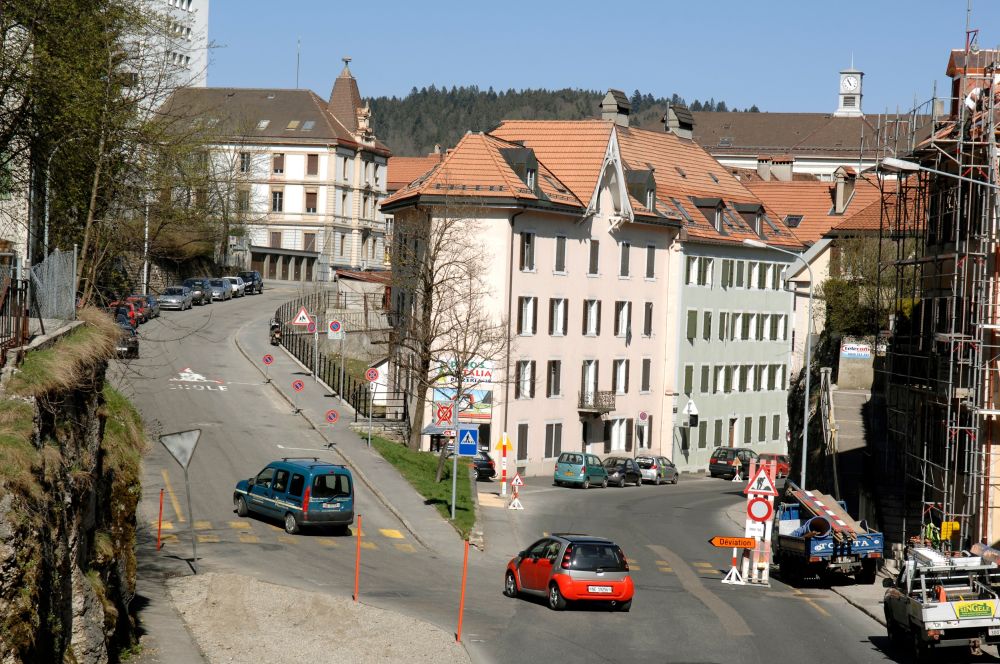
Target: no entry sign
x=298, y=385
x=759, y=509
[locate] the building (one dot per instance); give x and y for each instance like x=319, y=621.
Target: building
x=617, y=255
x=185, y=41
x=310, y=174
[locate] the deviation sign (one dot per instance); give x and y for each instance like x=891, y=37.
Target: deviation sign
x=721, y=542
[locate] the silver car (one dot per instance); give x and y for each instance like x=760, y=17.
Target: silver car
x=176, y=297
x=221, y=289
x=657, y=469
x=239, y=286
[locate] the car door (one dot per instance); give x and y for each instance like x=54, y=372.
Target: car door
x=279, y=492
x=528, y=568
x=259, y=496
x=295, y=490
x=594, y=467
x=631, y=471
x=546, y=564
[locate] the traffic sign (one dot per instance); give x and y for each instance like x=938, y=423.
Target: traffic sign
x=181, y=445
x=444, y=415
x=643, y=416
x=468, y=442
x=755, y=529
x=690, y=408
x=268, y=360
x=503, y=445
x=335, y=330
x=298, y=385
x=332, y=416
x=371, y=375
x=302, y=318
x=517, y=481
x=311, y=327
x=723, y=542
x=760, y=509
x=760, y=485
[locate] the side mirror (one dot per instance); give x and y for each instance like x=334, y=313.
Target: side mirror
x=250, y=482
x=887, y=583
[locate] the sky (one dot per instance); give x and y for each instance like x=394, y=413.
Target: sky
x=782, y=55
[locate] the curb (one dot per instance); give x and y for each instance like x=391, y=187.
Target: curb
x=477, y=537
x=874, y=615
x=361, y=475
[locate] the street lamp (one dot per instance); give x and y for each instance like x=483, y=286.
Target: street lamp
x=893, y=165
x=757, y=244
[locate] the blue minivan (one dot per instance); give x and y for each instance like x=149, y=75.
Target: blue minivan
x=300, y=492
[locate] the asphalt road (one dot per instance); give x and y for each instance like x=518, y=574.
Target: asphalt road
x=682, y=613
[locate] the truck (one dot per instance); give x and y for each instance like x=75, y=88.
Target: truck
x=816, y=536
x=941, y=600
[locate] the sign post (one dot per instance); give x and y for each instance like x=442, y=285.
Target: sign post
x=760, y=493
x=181, y=446
x=343, y=333
x=504, y=444
x=515, y=484
x=268, y=361
x=297, y=386
x=314, y=329
x=372, y=376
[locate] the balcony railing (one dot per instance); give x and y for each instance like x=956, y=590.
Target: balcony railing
x=597, y=402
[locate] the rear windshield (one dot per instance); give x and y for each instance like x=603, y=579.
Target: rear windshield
x=174, y=291
x=593, y=557
x=611, y=462
x=645, y=462
x=246, y=275
x=331, y=486
x=566, y=457
x=217, y=282
x=231, y=280
x=722, y=454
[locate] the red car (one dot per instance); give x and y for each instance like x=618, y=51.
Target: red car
x=130, y=311
x=784, y=464
x=568, y=567
x=141, y=307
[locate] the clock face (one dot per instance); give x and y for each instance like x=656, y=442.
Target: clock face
x=850, y=83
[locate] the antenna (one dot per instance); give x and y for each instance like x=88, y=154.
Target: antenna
x=298, y=60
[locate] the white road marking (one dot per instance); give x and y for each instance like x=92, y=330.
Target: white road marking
x=300, y=449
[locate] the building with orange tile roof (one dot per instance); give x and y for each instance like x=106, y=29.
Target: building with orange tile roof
x=617, y=260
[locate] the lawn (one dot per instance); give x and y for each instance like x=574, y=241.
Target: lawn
x=419, y=469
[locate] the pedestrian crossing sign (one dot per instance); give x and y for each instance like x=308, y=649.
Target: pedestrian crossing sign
x=468, y=442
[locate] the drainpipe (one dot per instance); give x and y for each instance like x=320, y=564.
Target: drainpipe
x=510, y=297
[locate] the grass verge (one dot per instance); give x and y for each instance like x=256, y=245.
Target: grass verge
x=419, y=468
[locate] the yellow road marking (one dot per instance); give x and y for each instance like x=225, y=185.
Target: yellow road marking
x=329, y=542
x=701, y=564
x=165, y=525
x=286, y=539
x=248, y=538
x=239, y=525
x=202, y=525
x=709, y=571
x=368, y=545
x=169, y=539
x=176, y=504
x=809, y=600
x=208, y=539
x=391, y=533
x=665, y=570
x=662, y=562
x=404, y=547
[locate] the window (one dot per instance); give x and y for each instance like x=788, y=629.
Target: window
x=553, y=383
x=776, y=277
x=595, y=253
x=243, y=200
x=311, y=202
x=531, y=179
x=277, y=200
x=278, y=163
x=588, y=380
x=772, y=376
x=782, y=383
x=557, y=317
x=746, y=321
x=706, y=326
x=647, y=320
x=309, y=241
x=691, y=274
x=688, y=379
x=275, y=240
x=524, y=388
x=344, y=212
x=720, y=372
x=527, y=252
x=591, y=317
x=623, y=319
x=739, y=274
x=775, y=426
x=619, y=377
x=560, y=254
x=723, y=325
x=553, y=440
x=752, y=268
x=308, y=125
x=705, y=271
x=522, y=442
x=761, y=326
x=775, y=323
x=650, y=261
x=703, y=434
x=527, y=308
x=244, y=162
x=762, y=429
x=706, y=379
x=718, y=433
x=312, y=164
x=758, y=377
x=262, y=125
x=647, y=368
x=747, y=430
x=343, y=244
x=692, y=325
x=744, y=377
x=623, y=265
x=727, y=273
x=762, y=277
x=735, y=321
x=729, y=379
x=345, y=170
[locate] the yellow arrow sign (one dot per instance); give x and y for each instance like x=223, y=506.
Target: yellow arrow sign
x=503, y=443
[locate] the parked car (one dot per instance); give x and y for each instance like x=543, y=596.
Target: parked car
x=568, y=567
x=783, y=464
x=221, y=289
x=153, y=304
x=176, y=297
x=201, y=291
x=727, y=461
x=125, y=310
x=657, y=469
x=484, y=466
x=300, y=492
x=239, y=287
x=622, y=470
x=128, y=341
x=253, y=280
x=141, y=307
x=579, y=469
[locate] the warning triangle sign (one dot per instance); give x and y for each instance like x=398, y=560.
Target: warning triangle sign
x=517, y=481
x=302, y=318
x=760, y=485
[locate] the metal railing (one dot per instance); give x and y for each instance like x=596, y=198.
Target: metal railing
x=13, y=313
x=597, y=401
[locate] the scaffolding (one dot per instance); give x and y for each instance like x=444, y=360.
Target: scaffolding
x=942, y=386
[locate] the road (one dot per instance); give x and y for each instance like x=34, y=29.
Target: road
x=192, y=375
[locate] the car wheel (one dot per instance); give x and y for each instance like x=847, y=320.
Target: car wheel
x=621, y=482
x=557, y=482
x=586, y=482
x=291, y=527
x=638, y=481
x=656, y=482
x=241, y=506
x=509, y=585
x=556, y=600
x=625, y=606
x=677, y=476
x=604, y=483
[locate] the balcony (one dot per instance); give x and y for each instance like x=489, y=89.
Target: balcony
x=596, y=402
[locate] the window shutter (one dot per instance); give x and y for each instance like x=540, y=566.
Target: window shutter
x=548, y=378
x=517, y=381
x=583, y=324
x=692, y=326
x=531, y=389
x=548, y=440
x=583, y=381
x=597, y=375
x=607, y=436
x=522, y=442
x=312, y=164
x=649, y=431
x=594, y=253
x=557, y=440
x=557, y=381
x=552, y=316
x=629, y=424
x=523, y=251
x=614, y=377
x=650, y=262
x=626, y=375
x=598, y=318
x=520, y=315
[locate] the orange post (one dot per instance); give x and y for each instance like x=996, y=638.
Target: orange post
x=159, y=522
x=461, y=602
x=357, y=560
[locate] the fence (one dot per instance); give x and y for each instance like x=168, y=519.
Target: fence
x=13, y=313
x=52, y=283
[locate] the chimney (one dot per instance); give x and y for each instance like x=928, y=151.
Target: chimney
x=616, y=107
x=781, y=168
x=679, y=121
x=843, y=189
x=764, y=167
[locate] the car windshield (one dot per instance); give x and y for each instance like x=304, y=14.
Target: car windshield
x=246, y=275
x=174, y=291
x=231, y=280
x=331, y=486
x=645, y=462
x=217, y=283
x=566, y=457
x=597, y=556
x=611, y=462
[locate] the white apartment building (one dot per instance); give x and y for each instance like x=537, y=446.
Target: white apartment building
x=185, y=40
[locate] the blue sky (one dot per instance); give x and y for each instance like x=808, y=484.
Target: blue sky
x=781, y=55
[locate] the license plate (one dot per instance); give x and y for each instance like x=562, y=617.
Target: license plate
x=993, y=631
x=598, y=589
x=568, y=472
x=331, y=506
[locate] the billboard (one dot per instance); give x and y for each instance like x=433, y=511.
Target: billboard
x=477, y=390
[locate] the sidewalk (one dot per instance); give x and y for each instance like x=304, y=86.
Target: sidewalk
x=423, y=521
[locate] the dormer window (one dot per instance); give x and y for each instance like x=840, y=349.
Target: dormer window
x=524, y=164
x=262, y=125
x=650, y=199
x=713, y=209
x=753, y=215
x=531, y=178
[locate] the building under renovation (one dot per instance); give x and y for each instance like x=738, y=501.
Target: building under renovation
x=939, y=462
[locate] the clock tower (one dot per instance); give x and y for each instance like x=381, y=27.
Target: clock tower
x=850, y=94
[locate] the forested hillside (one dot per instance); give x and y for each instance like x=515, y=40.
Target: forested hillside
x=431, y=116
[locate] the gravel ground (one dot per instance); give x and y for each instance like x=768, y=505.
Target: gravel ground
x=239, y=619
